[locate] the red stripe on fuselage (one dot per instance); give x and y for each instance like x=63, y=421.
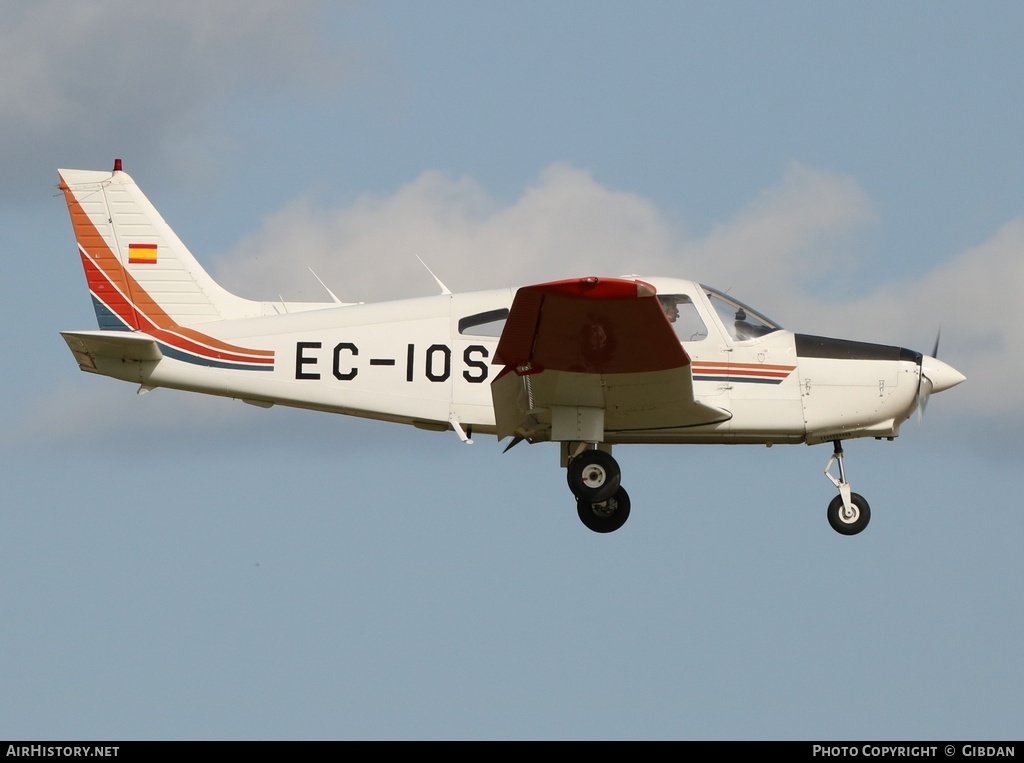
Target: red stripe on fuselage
x=179, y=337
x=762, y=370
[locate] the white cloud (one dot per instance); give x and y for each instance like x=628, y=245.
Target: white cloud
x=975, y=300
x=565, y=225
x=81, y=74
x=790, y=235
x=111, y=58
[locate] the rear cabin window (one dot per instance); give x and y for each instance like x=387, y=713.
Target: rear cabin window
x=489, y=323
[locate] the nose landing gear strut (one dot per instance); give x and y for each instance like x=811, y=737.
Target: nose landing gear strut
x=848, y=513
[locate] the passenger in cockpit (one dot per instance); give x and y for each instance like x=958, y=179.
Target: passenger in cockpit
x=671, y=308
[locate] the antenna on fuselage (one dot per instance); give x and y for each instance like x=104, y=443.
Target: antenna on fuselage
x=336, y=300
x=444, y=289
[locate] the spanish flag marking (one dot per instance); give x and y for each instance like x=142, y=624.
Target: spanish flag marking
x=141, y=254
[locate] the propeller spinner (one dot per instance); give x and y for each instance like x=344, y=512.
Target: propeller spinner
x=936, y=376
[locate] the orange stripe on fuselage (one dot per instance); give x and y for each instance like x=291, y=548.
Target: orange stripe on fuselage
x=743, y=369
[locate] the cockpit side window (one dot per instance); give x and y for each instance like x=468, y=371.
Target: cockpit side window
x=683, y=315
x=740, y=321
x=489, y=323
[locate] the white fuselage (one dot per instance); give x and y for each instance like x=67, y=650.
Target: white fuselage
x=428, y=362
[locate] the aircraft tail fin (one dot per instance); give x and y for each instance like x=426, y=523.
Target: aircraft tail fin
x=139, y=272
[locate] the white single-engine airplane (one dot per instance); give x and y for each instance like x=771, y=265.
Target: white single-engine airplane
x=588, y=363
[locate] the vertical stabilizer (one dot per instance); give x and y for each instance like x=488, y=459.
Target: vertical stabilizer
x=139, y=272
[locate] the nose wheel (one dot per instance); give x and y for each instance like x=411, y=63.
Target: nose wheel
x=849, y=521
x=848, y=513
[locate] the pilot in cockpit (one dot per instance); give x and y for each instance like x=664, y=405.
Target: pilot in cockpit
x=682, y=314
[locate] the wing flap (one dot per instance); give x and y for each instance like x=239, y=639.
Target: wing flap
x=528, y=405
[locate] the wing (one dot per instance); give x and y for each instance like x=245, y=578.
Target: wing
x=587, y=356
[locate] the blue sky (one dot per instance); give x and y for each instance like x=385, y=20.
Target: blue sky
x=181, y=567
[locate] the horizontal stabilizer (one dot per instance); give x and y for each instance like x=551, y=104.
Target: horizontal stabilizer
x=90, y=346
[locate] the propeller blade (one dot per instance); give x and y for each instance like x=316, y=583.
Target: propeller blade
x=924, y=391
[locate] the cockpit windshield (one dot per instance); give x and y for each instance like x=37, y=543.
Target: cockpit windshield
x=740, y=321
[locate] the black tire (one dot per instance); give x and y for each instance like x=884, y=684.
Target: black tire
x=849, y=525
x=593, y=476
x=605, y=516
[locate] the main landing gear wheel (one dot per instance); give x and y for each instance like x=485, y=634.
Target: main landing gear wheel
x=593, y=476
x=849, y=522
x=605, y=516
